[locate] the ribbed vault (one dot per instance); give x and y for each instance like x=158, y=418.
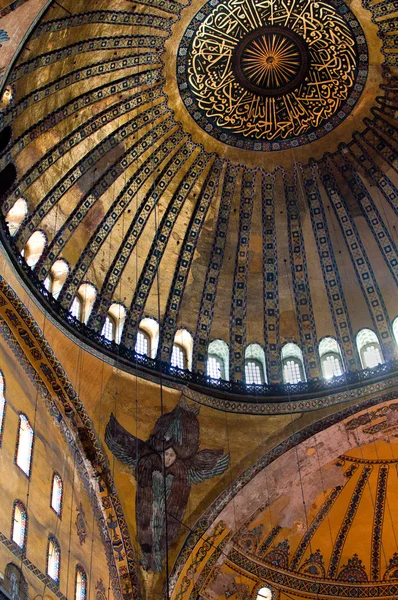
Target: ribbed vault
x=162, y=218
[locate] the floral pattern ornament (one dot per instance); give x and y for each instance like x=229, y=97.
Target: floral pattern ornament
x=81, y=525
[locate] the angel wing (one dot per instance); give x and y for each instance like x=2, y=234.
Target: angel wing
x=124, y=445
x=206, y=464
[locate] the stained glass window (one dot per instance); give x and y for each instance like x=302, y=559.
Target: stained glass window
x=178, y=357
x=215, y=367
x=254, y=372
x=80, y=583
x=56, y=494
x=142, y=345
x=53, y=559
x=24, y=445
x=19, y=524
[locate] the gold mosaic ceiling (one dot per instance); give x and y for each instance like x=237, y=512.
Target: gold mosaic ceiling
x=144, y=201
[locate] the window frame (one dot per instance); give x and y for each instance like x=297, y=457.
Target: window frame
x=363, y=350
x=146, y=335
x=335, y=355
x=297, y=361
x=21, y=506
x=217, y=358
x=259, y=364
x=113, y=323
x=59, y=514
x=53, y=540
x=81, y=311
x=28, y=475
x=80, y=570
x=185, y=357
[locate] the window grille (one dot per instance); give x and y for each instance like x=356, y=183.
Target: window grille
x=142, y=343
x=331, y=365
x=109, y=329
x=178, y=357
x=292, y=372
x=254, y=372
x=215, y=367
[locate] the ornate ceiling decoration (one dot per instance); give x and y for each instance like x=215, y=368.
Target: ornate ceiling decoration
x=304, y=522
x=270, y=75
x=159, y=216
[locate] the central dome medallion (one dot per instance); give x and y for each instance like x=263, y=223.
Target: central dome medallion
x=274, y=74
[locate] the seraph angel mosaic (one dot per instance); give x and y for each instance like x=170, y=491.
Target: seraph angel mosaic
x=165, y=468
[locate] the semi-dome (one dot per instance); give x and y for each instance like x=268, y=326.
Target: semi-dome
x=209, y=189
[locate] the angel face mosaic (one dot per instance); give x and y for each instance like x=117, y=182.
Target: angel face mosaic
x=271, y=75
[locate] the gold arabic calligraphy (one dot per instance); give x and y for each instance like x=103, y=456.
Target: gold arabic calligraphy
x=270, y=61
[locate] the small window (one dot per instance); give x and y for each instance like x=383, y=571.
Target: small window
x=331, y=359
x=34, y=248
x=109, y=329
x=24, y=445
x=219, y=350
x=48, y=283
x=215, y=367
x=19, y=524
x=142, y=344
x=179, y=357
x=395, y=329
x=76, y=310
x=253, y=372
x=56, y=494
x=264, y=593
x=58, y=275
x=369, y=349
x=80, y=583
x=53, y=559
x=16, y=215
x=292, y=364
x=2, y=405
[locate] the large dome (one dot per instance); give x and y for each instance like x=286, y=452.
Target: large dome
x=210, y=173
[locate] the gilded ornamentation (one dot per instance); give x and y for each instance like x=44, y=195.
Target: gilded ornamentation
x=271, y=72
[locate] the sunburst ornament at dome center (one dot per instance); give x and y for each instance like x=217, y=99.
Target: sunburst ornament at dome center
x=271, y=75
x=270, y=61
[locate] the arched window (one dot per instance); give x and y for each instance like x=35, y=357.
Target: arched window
x=264, y=593
x=53, y=559
x=23, y=456
x=395, y=329
x=217, y=366
x=76, y=309
x=369, y=349
x=179, y=357
x=16, y=215
x=143, y=343
x=57, y=277
x=19, y=528
x=87, y=293
x=109, y=329
x=182, y=349
x=331, y=359
x=34, y=248
x=150, y=328
x=255, y=365
x=80, y=583
x=117, y=312
x=292, y=364
x=15, y=583
x=2, y=405
x=56, y=494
